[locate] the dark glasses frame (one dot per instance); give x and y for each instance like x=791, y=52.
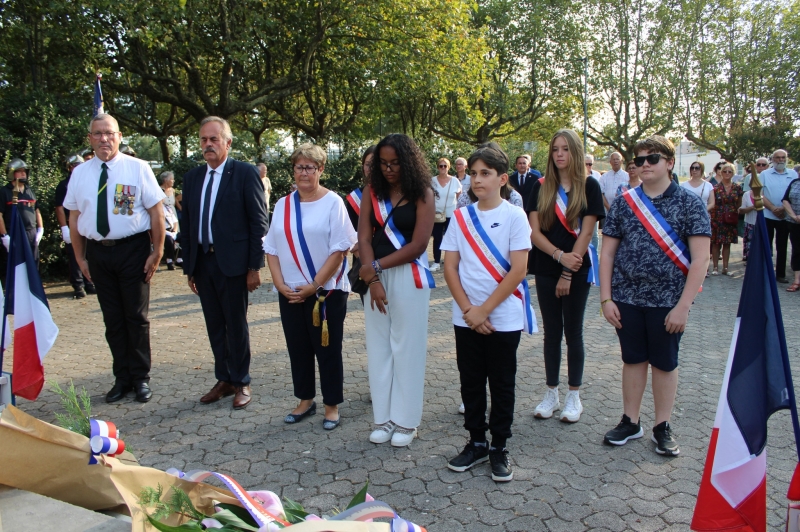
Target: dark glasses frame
x=651, y=159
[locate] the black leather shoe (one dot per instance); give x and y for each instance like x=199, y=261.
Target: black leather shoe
x=143, y=392
x=90, y=289
x=170, y=266
x=78, y=293
x=118, y=392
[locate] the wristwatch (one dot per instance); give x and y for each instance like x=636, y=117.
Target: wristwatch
x=320, y=289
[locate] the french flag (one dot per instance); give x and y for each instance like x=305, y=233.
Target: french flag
x=757, y=383
x=98, y=96
x=34, y=329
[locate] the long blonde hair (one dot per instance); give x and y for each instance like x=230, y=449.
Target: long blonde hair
x=549, y=189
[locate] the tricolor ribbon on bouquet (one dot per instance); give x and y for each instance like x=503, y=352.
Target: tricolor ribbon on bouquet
x=104, y=439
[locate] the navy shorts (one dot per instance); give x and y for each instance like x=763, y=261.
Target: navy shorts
x=644, y=338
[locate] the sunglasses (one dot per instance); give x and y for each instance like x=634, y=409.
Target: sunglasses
x=589, y=164
x=762, y=164
x=442, y=166
x=651, y=159
x=693, y=168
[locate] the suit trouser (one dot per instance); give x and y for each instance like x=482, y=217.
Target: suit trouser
x=224, y=302
x=491, y=357
x=304, y=342
x=778, y=230
x=397, y=347
x=124, y=297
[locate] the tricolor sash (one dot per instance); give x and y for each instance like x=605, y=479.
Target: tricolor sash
x=419, y=268
x=354, y=199
x=655, y=224
x=561, y=212
x=494, y=262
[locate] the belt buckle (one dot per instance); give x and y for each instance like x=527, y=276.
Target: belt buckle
x=108, y=243
x=211, y=248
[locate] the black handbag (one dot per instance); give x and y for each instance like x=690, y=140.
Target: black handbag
x=357, y=284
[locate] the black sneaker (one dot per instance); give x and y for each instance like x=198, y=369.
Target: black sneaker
x=470, y=456
x=626, y=430
x=501, y=468
x=170, y=266
x=665, y=442
x=78, y=293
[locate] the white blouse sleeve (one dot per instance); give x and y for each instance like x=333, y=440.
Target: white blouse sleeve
x=342, y=236
x=271, y=241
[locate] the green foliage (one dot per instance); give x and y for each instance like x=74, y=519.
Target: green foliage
x=78, y=409
x=294, y=511
x=178, y=502
x=359, y=497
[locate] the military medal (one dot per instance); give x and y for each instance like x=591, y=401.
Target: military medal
x=117, y=199
x=131, y=198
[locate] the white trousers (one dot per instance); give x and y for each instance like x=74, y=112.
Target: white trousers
x=397, y=346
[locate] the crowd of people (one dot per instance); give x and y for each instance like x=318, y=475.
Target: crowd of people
x=490, y=230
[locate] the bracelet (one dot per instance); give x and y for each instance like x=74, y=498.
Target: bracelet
x=559, y=257
x=553, y=256
x=566, y=278
x=377, y=266
x=375, y=280
x=603, y=302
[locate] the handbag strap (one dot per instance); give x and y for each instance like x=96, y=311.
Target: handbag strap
x=447, y=195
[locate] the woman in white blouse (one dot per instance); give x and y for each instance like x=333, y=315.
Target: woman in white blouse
x=447, y=189
x=306, y=248
x=700, y=186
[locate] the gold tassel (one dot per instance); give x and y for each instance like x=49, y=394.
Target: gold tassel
x=325, y=338
x=315, y=318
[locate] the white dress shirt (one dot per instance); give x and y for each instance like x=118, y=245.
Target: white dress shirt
x=610, y=182
x=132, y=175
x=214, y=189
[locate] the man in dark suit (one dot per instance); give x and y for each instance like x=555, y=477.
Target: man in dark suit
x=523, y=179
x=224, y=221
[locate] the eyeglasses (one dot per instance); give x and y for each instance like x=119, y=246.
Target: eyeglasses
x=305, y=169
x=442, y=166
x=589, y=164
x=100, y=134
x=389, y=166
x=651, y=159
x=693, y=168
x=762, y=164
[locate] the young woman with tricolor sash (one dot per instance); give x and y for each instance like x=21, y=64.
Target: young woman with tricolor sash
x=394, y=228
x=487, y=245
x=306, y=248
x=563, y=208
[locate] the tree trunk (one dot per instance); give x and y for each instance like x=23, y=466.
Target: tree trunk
x=162, y=143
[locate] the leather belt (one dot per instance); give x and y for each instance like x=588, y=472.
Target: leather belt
x=110, y=242
x=210, y=248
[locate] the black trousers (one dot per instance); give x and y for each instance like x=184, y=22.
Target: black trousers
x=124, y=297
x=778, y=230
x=439, y=230
x=491, y=357
x=75, y=274
x=794, y=236
x=563, y=316
x=224, y=302
x=304, y=342
x=169, y=248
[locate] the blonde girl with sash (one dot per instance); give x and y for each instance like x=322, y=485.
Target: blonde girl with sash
x=394, y=228
x=306, y=247
x=563, y=210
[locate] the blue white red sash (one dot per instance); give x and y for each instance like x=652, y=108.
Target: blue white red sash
x=354, y=199
x=293, y=228
x=655, y=224
x=419, y=268
x=561, y=213
x=494, y=262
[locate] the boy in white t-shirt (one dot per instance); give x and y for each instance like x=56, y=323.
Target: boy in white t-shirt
x=487, y=245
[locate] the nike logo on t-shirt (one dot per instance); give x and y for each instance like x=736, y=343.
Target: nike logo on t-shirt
x=496, y=224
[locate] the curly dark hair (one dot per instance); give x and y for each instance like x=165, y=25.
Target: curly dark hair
x=415, y=174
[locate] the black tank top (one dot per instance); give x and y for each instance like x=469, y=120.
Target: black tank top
x=404, y=219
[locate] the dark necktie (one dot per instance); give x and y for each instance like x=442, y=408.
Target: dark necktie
x=522, y=180
x=206, y=211
x=102, y=202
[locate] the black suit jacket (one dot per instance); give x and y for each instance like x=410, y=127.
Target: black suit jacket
x=238, y=223
x=525, y=190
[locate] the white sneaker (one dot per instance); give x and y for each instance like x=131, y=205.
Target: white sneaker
x=461, y=409
x=571, y=412
x=434, y=267
x=383, y=433
x=403, y=436
x=548, y=404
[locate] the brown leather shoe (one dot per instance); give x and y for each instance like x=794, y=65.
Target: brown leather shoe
x=220, y=390
x=243, y=397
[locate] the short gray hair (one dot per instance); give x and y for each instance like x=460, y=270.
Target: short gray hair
x=103, y=116
x=165, y=175
x=227, y=134
x=784, y=152
x=618, y=154
x=588, y=156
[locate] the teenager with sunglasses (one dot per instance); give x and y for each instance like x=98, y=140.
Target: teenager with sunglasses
x=646, y=293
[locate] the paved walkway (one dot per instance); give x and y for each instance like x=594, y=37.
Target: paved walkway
x=564, y=477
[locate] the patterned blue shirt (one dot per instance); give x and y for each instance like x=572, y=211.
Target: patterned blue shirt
x=643, y=274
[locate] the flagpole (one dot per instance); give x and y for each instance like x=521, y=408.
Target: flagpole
x=9, y=265
x=756, y=186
